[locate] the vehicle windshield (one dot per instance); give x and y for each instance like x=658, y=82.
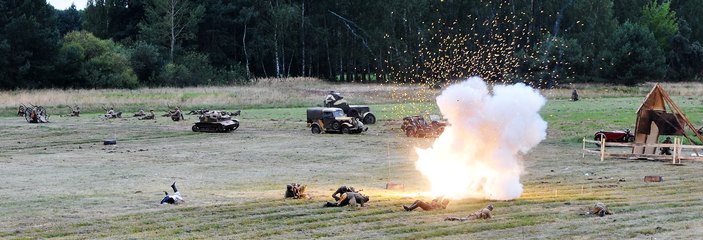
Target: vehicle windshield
x=338, y=113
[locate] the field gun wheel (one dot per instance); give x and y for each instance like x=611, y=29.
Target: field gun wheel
x=598, y=137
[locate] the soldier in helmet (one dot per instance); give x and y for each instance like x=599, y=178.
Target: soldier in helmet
x=140, y=113
x=349, y=198
x=435, y=204
x=484, y=213
x=574, y=95
x=666, y=150
x=296, y=191
x=149, y=115
x=341, y=190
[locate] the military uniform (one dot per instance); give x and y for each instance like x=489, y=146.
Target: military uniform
x=599, y=209
x=349, y=198
x=484, y=213
x=342, y=190
x=437, y=203
x=296, y=191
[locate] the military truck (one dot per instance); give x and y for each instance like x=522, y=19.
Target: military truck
x=362, y=112
x=333, y=120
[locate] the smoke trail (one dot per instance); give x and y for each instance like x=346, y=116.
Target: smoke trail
x=479, y=154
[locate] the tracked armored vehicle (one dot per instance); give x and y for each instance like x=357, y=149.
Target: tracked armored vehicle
x=215, y=121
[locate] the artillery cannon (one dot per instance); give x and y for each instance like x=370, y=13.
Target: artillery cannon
x=36, y=114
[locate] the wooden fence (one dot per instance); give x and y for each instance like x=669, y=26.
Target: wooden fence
x=676, y=151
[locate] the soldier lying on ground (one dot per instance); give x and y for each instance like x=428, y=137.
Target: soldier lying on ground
x=173, y=199
x=148, y=116
x=296, y=191
x=484, y=213
x=342, y=190
x=113, y=114
x=437, y=203
x=599, y=209
x=140, y=113
x=21, y=110
x=75, y=112
x=349, y=198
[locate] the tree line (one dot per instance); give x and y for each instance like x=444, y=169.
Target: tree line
x=135, y=43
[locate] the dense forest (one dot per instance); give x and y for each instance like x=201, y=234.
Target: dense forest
x=136, y=43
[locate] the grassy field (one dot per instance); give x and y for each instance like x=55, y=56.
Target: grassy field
x=60, y=182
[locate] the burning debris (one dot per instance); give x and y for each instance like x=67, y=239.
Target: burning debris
x=479, y=153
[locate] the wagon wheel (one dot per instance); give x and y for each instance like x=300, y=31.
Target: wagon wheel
x=26, y=115
x=598, y=137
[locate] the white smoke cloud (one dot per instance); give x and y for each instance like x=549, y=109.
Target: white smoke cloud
x=479, y=154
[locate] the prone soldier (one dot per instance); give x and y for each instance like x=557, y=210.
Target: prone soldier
x=484, y=213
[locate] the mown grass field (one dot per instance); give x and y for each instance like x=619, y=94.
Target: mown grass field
x=60, y=182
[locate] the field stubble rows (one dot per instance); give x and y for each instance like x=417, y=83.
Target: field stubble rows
x=60, y=182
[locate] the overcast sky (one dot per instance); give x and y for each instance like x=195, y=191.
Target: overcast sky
x=64, y=4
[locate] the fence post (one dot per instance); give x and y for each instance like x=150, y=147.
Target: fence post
x=583, y=149
x=602, y=148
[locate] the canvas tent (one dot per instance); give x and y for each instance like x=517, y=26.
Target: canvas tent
x=659, y=115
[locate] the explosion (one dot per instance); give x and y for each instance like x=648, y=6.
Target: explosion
x=479, y=154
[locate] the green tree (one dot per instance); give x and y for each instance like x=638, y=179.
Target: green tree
x=168, y=22
x=661, y=21
x=28, y=43
x=69, y=20
x=685, y=59
x=636, y=56
x=146, y=62
x=92, y=62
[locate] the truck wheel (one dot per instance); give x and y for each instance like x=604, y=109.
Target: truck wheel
x=369, y=119
x=598, y=137
x=410, y=132
x=315, y=129
x=345, y=130
x=195, y=128
x=336, y=125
